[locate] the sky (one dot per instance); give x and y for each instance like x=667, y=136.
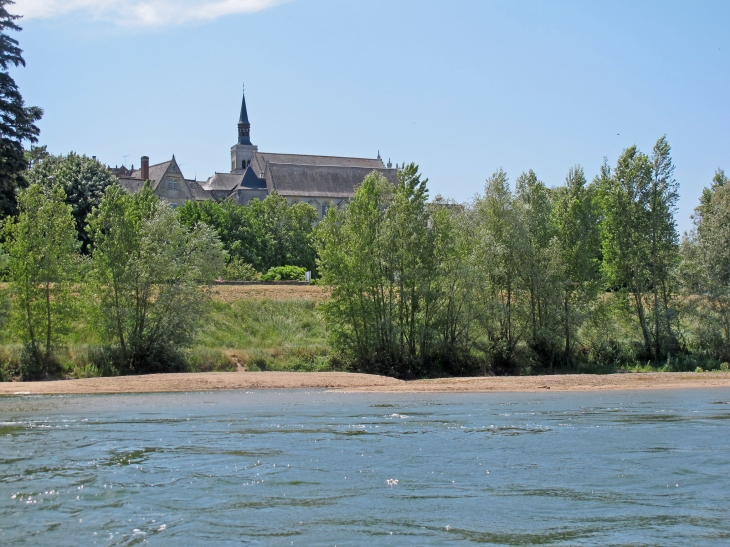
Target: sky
x=459, y=87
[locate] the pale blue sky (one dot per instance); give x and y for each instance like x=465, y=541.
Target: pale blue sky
x=460, y=87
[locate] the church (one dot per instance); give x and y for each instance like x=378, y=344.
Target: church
x=320, y=181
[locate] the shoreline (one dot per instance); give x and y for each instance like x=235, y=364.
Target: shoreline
x=354, y=382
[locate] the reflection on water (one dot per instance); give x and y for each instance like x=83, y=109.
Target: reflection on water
x=318, y=468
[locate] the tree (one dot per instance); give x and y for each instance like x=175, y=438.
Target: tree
x=17, y=122
x=42, y=245
x=378, y=257
x=575, y=251
x=534, y=206
x=150, y=275
x=639, y=238
x=265, y=234
x=500, y=253
x=83, y=179
x=706, y=266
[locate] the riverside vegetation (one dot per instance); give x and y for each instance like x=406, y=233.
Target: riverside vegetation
x=585, y=277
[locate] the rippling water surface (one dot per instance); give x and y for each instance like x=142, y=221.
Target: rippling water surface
x=319, y=468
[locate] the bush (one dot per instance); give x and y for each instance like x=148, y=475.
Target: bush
x=725, y=367
x=238, y=270
x=285, y=273
x=209, y=360
x=36, y=365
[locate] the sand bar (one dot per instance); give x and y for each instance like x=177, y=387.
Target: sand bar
x=213, y=381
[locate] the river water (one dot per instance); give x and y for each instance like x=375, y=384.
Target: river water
x=320, y=468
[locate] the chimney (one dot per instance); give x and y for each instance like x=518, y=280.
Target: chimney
x=145, y=168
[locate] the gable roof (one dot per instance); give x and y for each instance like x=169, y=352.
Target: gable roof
x=320, y=180
x=260, y=160
x=222, y=181
x=157, y=171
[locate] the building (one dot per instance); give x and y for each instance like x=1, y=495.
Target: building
x=320, y=181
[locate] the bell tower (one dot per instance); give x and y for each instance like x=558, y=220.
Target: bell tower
x=242, y=152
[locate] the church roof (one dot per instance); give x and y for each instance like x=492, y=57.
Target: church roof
x=222, y=181
x=198, y=192
x=320, y=180
x=244, y=113
x=260, y=160
x=250, y=180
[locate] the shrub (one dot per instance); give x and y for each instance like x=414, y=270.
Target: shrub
x=699, y=369
x=238, y=270
x=209, y=360
x=725, y=367
x=285, y=273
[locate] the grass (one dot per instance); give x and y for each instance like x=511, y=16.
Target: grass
x=242, y=332
x=268, y=334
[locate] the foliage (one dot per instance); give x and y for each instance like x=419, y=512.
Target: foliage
x=17, y=122
x=381, y=258
x=83, y=179
x=284, y=273
x=706, y=269
x=640, y=241
x=265, y=234
x=238, y=270
x=149, y=274
x=41, y=244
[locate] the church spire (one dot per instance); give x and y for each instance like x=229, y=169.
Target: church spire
x=244, y=127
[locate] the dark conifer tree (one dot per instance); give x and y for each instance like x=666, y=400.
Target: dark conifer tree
x=17, y=122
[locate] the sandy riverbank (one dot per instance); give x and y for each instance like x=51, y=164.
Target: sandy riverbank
x=212, y=381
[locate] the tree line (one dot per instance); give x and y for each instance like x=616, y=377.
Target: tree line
x=585, y=276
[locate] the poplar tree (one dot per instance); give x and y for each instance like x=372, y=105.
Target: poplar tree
x=41, y=243
x=501, y=251
x=624, y=232
x=150, y=276
x=534, y=208
x=575, y=251
x=706, y=264
x=639, y=239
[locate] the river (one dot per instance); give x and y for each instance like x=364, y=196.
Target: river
x=318, y=468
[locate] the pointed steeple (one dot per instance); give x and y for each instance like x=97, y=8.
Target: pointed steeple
x=244, y=127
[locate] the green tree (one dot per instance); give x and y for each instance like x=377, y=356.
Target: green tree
x=575, y=251
x=83, y=179
x=534, y=206
x=41, y=243
x=151, y=277
x=265, y=234
x=377, y=255
x=17, y=122
x=639, y=238
x=501, y=250
x=706, y=267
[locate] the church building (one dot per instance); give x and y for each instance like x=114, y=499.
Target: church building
x=320, y=181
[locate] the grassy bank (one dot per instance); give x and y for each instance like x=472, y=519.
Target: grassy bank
x=249, y=328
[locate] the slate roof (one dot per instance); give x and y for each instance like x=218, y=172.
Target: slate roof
x=130, y=184
x=320, y=180
x=260, y=159
x=222, y=181
x=157, y=171
x=198, y=192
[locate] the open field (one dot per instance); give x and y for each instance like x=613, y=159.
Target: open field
x=234, y=293
x=214, y=381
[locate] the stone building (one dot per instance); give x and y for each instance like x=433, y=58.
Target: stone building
x=321, y=181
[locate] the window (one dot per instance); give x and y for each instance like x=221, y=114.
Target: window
x=325, y=206
x=174, y=184
x=169, y=184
